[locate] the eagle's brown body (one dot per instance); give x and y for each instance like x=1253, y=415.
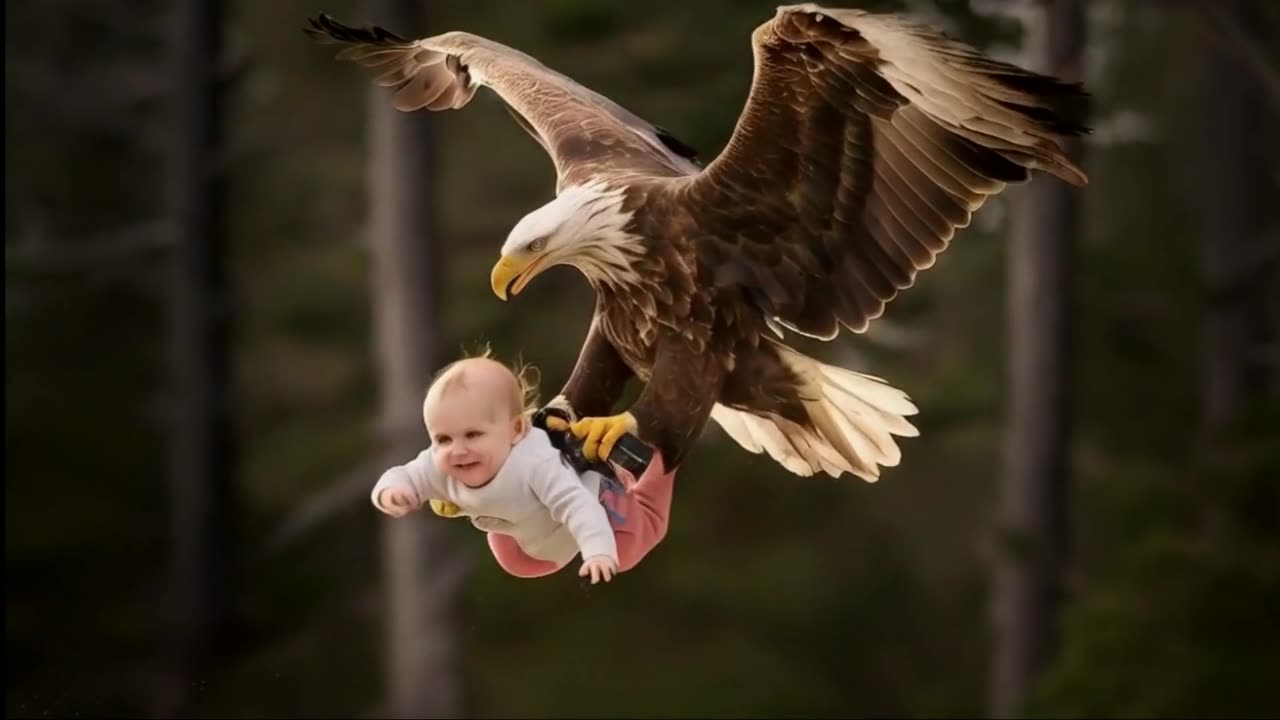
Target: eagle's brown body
x=866, y=142
x=705, y=339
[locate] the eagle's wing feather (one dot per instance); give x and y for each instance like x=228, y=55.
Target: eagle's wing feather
x=865, y=142
x=584, y=133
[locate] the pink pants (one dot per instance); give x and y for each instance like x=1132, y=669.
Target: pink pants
x=644, y=510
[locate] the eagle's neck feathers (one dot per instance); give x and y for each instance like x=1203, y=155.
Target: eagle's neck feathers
x=604, y=249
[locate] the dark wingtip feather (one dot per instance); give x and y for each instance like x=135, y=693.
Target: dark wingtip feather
x=1066, y=116
x=1068, y=103
x=676, y=145
x=324, y=27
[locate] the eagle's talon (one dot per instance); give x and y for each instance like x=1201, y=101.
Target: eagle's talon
x=602, y=432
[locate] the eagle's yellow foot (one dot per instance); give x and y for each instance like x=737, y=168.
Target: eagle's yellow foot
x=444, y=508
x=602, y=432
x=558, y=424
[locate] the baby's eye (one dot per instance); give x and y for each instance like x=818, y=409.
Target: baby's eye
x=474, y=434
x=442, y=440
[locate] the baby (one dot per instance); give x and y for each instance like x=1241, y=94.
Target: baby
x=488, y=461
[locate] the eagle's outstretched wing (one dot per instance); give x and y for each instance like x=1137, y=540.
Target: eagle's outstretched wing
x=865, y=142
x=583, y=132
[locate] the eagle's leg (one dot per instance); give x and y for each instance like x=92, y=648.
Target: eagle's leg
x=673, y=408
x=599, y=376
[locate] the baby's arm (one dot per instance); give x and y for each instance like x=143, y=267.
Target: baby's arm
x=418, y=479
x=573, y=505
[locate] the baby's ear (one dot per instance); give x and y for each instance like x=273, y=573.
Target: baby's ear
x=522, y=427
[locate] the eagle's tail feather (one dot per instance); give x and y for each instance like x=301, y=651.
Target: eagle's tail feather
x=852, y=418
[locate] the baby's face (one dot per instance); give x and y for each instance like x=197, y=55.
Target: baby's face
x=472, y=432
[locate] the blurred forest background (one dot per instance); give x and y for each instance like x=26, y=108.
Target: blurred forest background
x=213, y=332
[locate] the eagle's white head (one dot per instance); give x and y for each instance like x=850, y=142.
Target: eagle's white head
x=584, y=226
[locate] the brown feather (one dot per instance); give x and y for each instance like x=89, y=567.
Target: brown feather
x=585, y=133
x=938, y=128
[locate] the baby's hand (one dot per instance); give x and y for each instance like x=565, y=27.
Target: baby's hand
x=600, y=567
x=398, y=500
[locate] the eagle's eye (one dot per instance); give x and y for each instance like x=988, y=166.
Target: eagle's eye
x=538, y=244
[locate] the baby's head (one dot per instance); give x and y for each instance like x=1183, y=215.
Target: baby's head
x=475, y=411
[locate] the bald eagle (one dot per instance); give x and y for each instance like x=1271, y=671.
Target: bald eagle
x=866, y=141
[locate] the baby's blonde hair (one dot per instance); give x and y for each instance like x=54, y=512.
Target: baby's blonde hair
x=524, y=392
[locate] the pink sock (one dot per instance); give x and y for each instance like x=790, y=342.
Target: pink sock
x=640, y=516
x=515, y=561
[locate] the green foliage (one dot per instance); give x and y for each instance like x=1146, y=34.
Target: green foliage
x=1177, y=616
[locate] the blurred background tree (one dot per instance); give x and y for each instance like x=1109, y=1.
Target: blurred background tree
x=773, y=595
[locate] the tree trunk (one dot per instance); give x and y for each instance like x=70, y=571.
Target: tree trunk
x=1034, y=544
x=203, y=456
x=1233, y=188
x=422, y=574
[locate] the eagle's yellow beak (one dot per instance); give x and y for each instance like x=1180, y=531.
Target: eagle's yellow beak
x=511, y=274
